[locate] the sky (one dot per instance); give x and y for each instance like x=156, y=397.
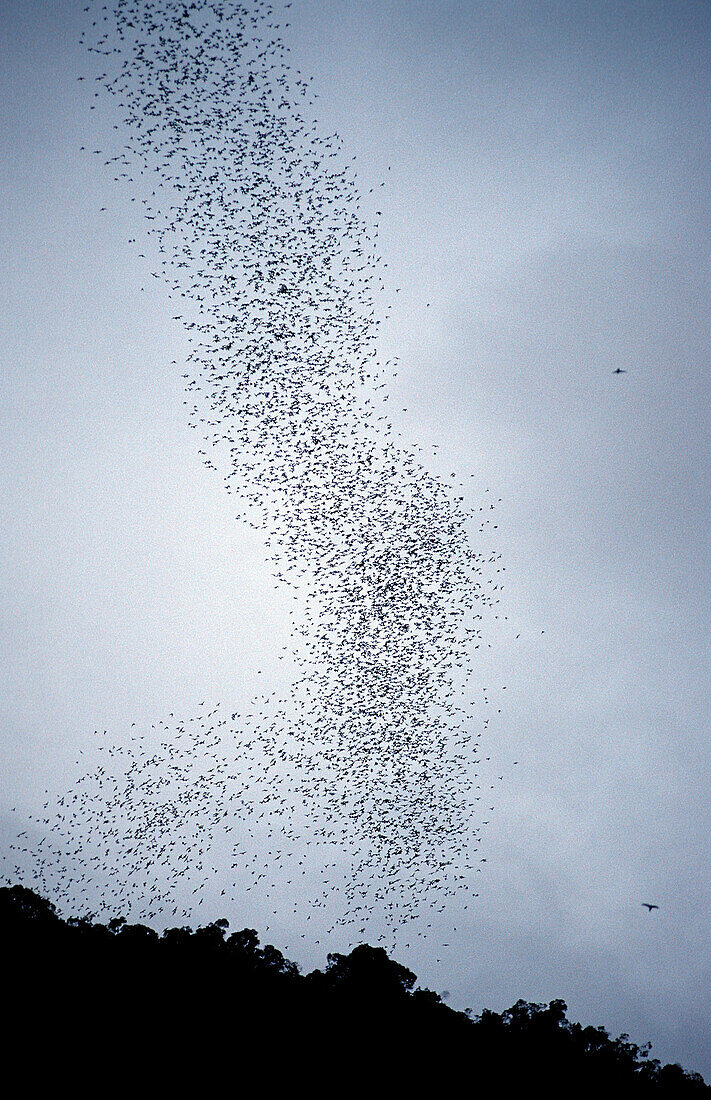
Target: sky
x=545, y=216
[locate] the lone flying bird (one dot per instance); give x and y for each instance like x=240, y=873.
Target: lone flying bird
x=619, y=370
x=649, y=906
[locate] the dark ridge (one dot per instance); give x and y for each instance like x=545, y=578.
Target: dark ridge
x=120, y=999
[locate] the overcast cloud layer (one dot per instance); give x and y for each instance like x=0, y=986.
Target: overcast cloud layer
x=546, y=218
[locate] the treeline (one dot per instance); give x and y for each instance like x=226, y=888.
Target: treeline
x=120, y=999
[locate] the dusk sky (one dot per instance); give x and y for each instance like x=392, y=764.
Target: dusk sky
x=546, y=219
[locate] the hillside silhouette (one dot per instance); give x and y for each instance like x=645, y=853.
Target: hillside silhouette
x=121, y=999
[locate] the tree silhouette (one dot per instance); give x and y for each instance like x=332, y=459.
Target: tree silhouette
x=127, y=997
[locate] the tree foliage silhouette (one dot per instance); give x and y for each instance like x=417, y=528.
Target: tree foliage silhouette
x=124, y=990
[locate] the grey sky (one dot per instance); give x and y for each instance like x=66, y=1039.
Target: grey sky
x=547, y=193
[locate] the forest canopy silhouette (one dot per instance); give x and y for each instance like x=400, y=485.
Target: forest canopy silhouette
x=124, y=988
